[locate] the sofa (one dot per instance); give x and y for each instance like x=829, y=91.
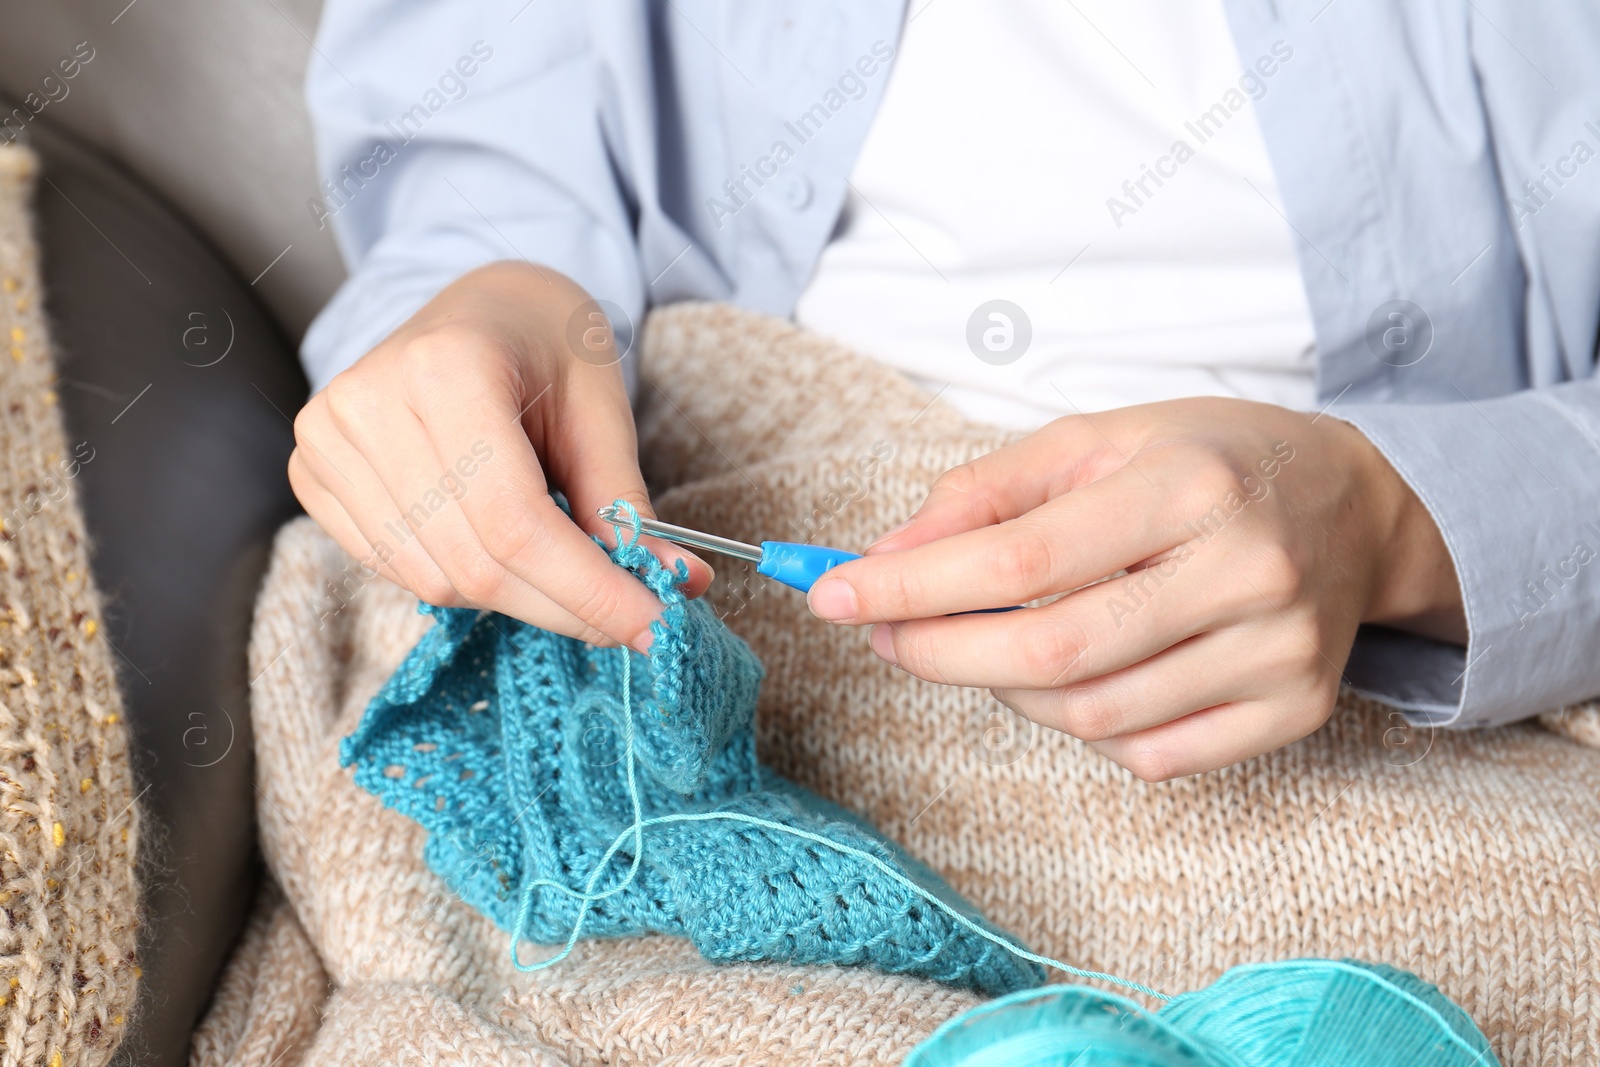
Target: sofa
x=173, y=221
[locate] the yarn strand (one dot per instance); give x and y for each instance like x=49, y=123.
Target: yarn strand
x=588, y=897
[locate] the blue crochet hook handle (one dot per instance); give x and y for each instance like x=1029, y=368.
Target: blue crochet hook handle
x=793, y=563
x=798, y=566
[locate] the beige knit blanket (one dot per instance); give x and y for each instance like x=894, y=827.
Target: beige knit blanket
x=68, y=822
x=1472, y=859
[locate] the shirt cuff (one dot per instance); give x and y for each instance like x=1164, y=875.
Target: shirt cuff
x=1512, y=484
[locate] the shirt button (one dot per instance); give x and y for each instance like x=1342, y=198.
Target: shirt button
x=795, y=191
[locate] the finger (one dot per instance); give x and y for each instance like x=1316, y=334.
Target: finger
x=1065, y=543
x=1092, y=632
x=347, y=475
x=597, y=464
x=1202, y=672
x=329, y=514
x=1217, y=737
x=480, y=417
x=1008, y=482
x=412, y=472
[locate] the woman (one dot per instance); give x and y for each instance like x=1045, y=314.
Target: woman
x=1310, y=295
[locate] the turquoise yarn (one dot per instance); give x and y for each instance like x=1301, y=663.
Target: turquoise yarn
x=563, y=800
x=529, y=756
x=1294, y=1013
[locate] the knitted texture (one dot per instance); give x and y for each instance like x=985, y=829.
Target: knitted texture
x=510, y=745
x=1470, y=859
x=68, y=823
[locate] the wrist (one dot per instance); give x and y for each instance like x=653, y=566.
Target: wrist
x=1414, y=585
x=542, y=318
x=530, y=302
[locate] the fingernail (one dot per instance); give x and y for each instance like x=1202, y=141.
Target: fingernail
x=890, y=535
x=702, y=561
x=832, y=599
x=882, y=641
x=641, y=644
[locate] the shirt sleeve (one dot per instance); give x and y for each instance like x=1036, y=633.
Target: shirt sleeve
x=1514, y=485
x=449, y=136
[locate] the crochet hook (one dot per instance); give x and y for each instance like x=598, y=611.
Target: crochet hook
x=793, y=563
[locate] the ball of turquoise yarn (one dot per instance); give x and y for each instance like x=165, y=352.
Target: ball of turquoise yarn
x=1059, y=1026
x=1294, y=1013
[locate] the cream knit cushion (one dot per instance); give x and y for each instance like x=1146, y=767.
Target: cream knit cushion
x=68, y=823
x=1472, y=859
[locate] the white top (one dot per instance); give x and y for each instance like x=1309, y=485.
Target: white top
x=1098, y=165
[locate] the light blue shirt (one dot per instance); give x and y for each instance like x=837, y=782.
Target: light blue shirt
x=1437, y=160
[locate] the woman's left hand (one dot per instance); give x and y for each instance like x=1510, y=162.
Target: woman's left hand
x=1255, y=540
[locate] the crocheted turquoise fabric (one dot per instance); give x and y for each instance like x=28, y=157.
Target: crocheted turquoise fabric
x=568, y=789
x=507, y=743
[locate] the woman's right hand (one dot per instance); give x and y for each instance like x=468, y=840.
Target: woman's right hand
x=432, y=459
